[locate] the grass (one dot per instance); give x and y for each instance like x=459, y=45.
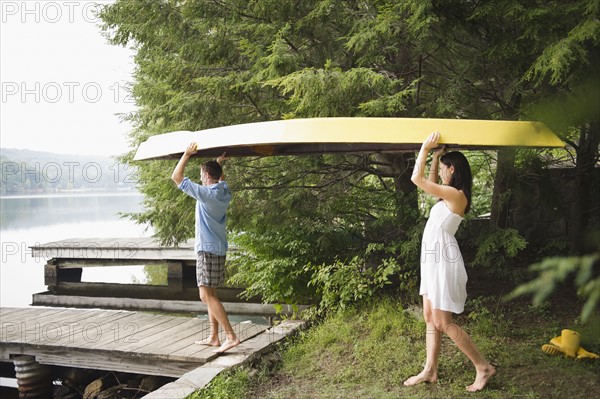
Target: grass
x=368, y=351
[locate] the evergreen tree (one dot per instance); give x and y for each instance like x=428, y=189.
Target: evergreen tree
x=202, y=64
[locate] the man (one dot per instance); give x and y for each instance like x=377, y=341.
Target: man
x=212, y=200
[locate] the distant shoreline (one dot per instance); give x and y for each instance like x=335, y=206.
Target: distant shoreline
x=65, y=194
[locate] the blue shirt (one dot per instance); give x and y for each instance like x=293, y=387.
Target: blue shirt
x=211, y=205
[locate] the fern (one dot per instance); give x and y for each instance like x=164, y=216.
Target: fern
x=496, y=250
x=555, y=270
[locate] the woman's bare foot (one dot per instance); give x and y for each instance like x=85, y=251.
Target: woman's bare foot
x=228, y=344
x=209, y=342
x=482, y=378
x=423, y=376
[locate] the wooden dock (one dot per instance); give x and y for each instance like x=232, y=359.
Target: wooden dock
x=132, y=342
x=65, y=260
x=81, y=252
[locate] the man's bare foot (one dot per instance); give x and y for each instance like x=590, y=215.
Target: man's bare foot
x=228, y=344
x=209, y=342
x=423, y=376
x=482, y=378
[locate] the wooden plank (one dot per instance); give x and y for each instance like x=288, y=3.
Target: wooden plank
x=184, y=349
x=126, y=331
x=97, y=290
x=48, y=315
x=194, y=352
x=68, y=315
x=21, y=314
x=181, y=340
x=102, y=321
x=51, y=331
x=233, y=308
x=168, y=335
x=148, y=336
x=148, y=243
x=73, y=317
x=163, y=345
x=246, y=351
x=26, y=316
x=244, y=331
x=157, y=352
x=112, y=248
x=116, y=291
x=82, y=252
x=87, y=334
x=75, y=263
x=94, y=360
x=6, y=311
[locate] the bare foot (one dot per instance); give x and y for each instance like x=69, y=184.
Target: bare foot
x=482, y=378
x=228, y=344
x=423, y=376
x=209, y=342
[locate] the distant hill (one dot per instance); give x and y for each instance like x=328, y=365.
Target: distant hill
x=30, y=172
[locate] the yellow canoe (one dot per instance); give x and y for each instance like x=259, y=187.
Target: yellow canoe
x=337, y=135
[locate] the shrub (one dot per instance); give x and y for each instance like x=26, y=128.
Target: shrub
x=342, y=284
x=496, y=249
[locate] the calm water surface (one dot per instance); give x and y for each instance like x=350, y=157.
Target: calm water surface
x=31, y=220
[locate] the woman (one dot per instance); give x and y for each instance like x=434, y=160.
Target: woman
x=443, y=276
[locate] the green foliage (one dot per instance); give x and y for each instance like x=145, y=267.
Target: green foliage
x=311, y=216
x=337, y=357
x=333, y=92
x=565, y=55
x=342, y=284
x=227, y=385
x=350, y=344
x=497, y=248
x=279, y=280
x=483, y=169
x=202, y=64
x=486, y=322
x=556, y=270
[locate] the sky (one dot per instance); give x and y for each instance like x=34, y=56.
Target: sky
x=63, y=85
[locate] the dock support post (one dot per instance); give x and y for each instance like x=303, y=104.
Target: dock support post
x=53, y=274
x=50, y=274
x=34, y=379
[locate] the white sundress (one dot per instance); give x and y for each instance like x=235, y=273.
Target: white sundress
x=443, y=274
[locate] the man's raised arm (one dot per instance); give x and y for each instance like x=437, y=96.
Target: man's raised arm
x=179, y=171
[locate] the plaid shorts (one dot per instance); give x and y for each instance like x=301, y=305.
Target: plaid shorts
x=210, y=269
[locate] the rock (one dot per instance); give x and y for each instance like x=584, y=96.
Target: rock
x=93, y=389
x=152, y=383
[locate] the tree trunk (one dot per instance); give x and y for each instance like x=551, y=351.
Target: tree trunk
x=587, y=153
x=399, y=166
x=407, y=211
x=503, y=181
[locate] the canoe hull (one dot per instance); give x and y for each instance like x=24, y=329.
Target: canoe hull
x=347, y=135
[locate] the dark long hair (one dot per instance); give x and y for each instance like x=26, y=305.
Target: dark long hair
x=461, y=179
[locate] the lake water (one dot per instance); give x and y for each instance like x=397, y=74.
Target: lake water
x=29, y=220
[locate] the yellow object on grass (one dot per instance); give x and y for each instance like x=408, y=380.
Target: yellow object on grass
x=569, y=344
